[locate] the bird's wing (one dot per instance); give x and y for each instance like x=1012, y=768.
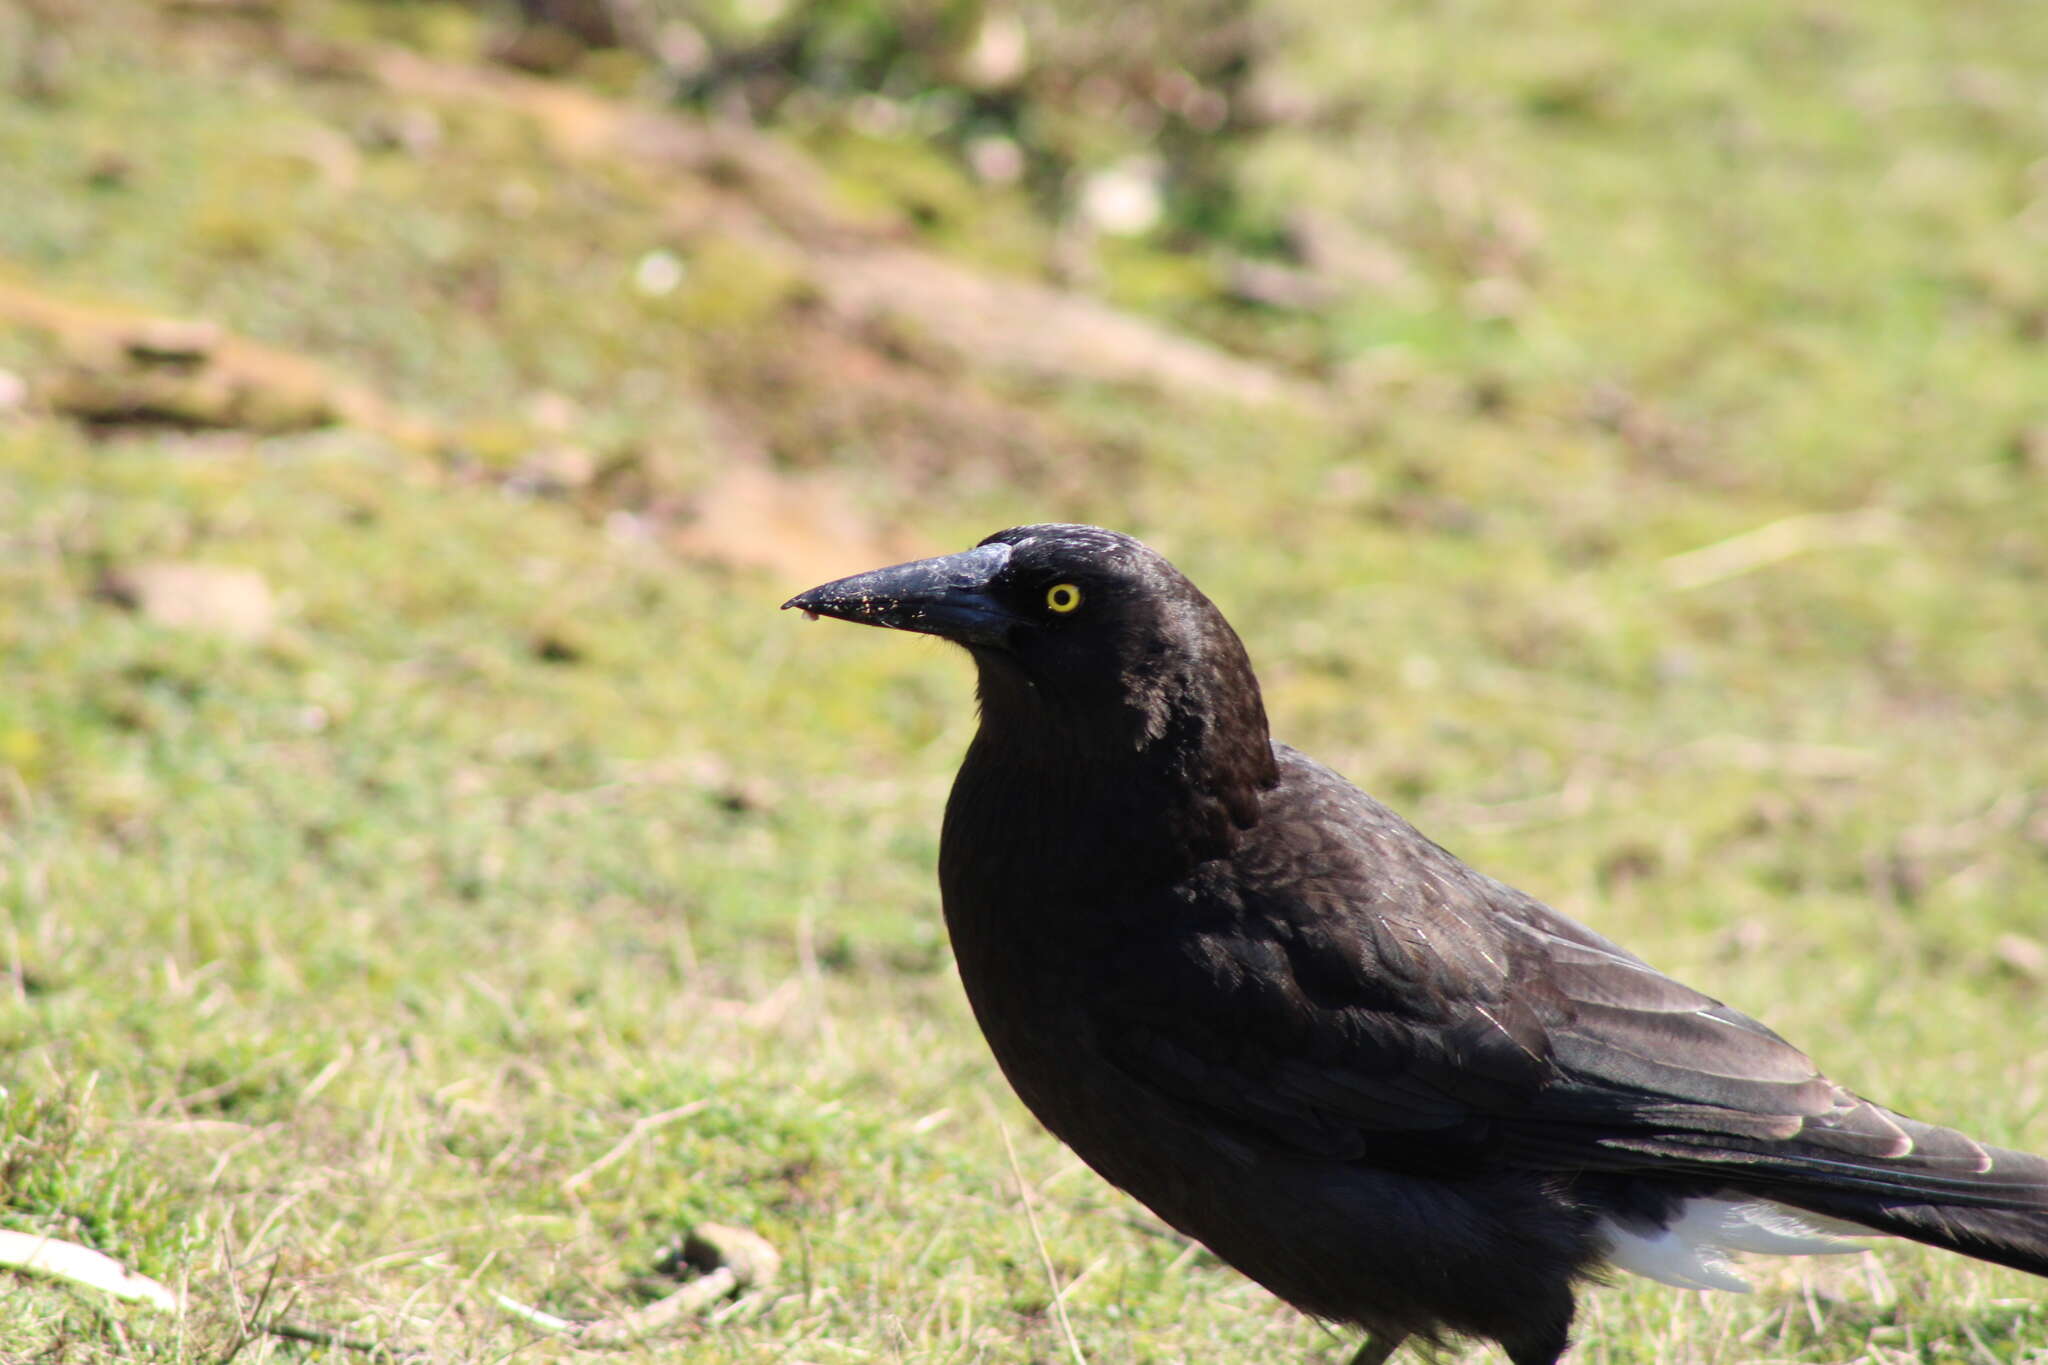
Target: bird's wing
x=1344, y=989
x=1661, y=1075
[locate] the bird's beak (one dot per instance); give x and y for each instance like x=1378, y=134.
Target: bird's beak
x=948, y=596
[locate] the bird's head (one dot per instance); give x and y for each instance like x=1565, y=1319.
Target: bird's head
x=1079, y=634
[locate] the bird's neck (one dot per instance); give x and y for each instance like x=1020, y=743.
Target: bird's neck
x=1140, y=786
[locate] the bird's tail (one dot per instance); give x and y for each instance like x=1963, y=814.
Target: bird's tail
x=1876, y=1169
x=1944, y=1189
x=2009, y=1237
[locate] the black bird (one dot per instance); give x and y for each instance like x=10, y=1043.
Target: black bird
x=1394, y=1091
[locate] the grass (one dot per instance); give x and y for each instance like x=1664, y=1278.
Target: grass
x=335, y=960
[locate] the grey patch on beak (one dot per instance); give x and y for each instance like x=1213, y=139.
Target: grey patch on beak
x=947, y=596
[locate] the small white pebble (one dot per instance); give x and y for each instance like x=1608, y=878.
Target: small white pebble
x=1125, y=200
x=658, y=273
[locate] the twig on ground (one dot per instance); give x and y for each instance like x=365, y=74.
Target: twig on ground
x=734, y=1259
x=316, y=1336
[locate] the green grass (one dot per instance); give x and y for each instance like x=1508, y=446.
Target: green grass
x=331, y=961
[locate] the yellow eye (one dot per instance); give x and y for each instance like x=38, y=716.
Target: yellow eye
x=1063, y=597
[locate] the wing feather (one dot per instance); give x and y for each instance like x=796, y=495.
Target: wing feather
x=1474, y=1023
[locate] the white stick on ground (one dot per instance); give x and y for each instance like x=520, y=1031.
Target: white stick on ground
x=40, y=1255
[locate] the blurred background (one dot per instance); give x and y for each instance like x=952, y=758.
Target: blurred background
x=431, y=868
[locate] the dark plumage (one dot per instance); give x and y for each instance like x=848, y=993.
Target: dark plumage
x=1395, y=1092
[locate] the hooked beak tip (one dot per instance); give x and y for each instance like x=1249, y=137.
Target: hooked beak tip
x=947, y=596
x=806, y=602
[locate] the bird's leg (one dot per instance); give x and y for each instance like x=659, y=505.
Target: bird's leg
x=1377, y=1348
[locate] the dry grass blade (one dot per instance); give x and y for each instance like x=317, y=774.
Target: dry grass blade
x=1779, y=540
x=641, y=1128
x=1052, y=1278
